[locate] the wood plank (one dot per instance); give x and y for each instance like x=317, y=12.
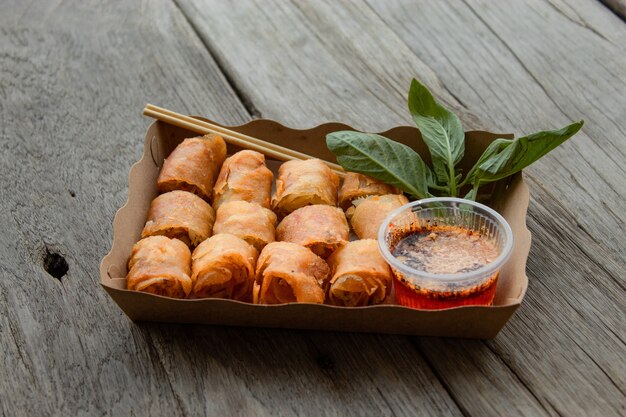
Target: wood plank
x=591, y=16
x=338, y=48
x=75, y=76
x=572, y=327
x=286, y=57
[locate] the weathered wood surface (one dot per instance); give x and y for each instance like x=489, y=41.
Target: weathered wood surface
x=73, y=78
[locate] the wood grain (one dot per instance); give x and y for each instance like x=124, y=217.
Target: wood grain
x=591, y=16
x=567, y=66
x=74, y=77
x=302, y=62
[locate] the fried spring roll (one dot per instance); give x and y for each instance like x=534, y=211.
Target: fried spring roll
x=369, y=213
x=303, y=183
x=193, y=166
x=180, y=215
x=358, y=186
x=287, y=273
x=160, y=265
x=320, y=228
x=223, y=267
x=359, y=275
x=249, y=221
x=244, y=176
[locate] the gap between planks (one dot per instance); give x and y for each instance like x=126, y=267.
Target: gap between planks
x=616, y=6
x=244, y=99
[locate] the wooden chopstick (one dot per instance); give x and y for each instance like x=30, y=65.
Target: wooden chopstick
x=223, y=130
x=230, y=136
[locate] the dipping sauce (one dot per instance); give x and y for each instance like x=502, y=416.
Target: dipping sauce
x=443, y=250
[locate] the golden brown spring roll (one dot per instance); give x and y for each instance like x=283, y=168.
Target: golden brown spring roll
x=180, y=215
x=358, y=186
x=359, y=275
x=320, y=228
x=249, y=221
x=223, y=267
x=160, y=265
x=287, y=273
x=193, y=166
x=302, y=183
x=244, y=176
x=370, y=213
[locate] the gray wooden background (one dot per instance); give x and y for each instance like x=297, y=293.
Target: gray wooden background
x=74, y=76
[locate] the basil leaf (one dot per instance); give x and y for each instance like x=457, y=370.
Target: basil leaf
x=494, y=148
x=381, y=158
x=503, y=157
x=441, y=130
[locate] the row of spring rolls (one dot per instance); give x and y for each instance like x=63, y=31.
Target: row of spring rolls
x=306, y=192
x=225, y=266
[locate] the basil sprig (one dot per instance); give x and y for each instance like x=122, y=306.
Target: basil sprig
x=441, y=130
x=397, y=164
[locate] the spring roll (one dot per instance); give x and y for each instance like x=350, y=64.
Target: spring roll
x=359, y=275
x=244, y=176
x=160, y=265
x=287, y=273
x=223, y=267
x=180, y=215
x=303, y=183
x=320, y=228
x=368, y=214
x=358, y=186
x=193, y=166
x=248, y=221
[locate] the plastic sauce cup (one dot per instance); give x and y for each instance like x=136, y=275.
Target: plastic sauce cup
x=445, y=252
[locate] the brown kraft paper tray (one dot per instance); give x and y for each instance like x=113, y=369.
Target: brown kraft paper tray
x=510, y=197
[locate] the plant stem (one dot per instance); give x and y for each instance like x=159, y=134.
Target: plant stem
x=438, y=187
x=475, y=190
x=463, y=182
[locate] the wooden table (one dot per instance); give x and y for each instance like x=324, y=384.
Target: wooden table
x=74, y=77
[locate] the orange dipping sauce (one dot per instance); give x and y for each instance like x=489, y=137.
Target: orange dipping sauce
x=411, y=296
x=443, y=250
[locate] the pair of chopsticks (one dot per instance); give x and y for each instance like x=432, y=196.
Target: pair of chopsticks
x=239, y=139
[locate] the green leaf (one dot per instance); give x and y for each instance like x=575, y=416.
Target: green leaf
x=503, y=157
x=381, y=158
x=441, y=130
x=494, y=148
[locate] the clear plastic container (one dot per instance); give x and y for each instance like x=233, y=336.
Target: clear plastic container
x=445, y=252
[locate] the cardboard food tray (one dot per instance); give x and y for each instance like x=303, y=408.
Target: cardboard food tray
x=510, y=197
